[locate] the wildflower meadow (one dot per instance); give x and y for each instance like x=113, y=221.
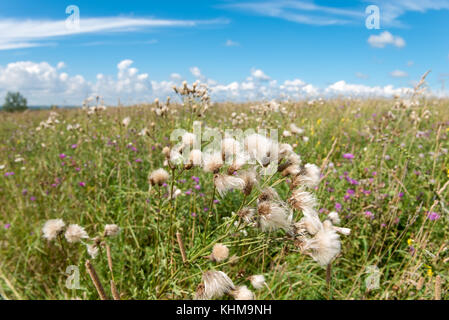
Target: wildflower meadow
x=189, y=198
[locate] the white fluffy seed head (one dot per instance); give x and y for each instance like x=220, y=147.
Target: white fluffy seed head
x=343, y=231
x=285, y=149
x=75, y=233
x=302, y=200
x=195, y=157
x=242, y=293
x=52, y=228
x=230, y=147
x=212, y=162
x=312, y=175
x=333, y=217
x=261, y=149
x=188, y=139
x=220, y=252
x=257, y=281
x=92, y=250
x=216, y=284
x=111, y=230
x=294, y=129
x=325, y=245
x=224, y=183
x=250, y=179
x=126, y=121
x=158, y=177
x=273, y=216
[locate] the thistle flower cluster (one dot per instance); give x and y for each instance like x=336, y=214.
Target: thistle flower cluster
x=96, y=109
x=57, y=229
x=196, y=97
x=161, y=110
x=50, y=122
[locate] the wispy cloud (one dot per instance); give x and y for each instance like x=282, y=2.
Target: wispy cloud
x=399, y=74
x=305, y=12
x=30, y=33
x=230, y=43
x=308, y=12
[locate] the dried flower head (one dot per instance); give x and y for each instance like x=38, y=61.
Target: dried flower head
x=302, y=200
x=261, y=149
x=195, y=157
x=224, y=183
x=166, y=152
x=257, y=281
x=215, y=285
x=310, y=223
x=273, y=216
x=126, y=121
x=294, y=129
x=250, y=179
x=52, y=228
x=230, y=148
x=309, y=177
x=242, y=293
x=111, y=230
x=92, y=250
x=268, y=194
x=188, y=139
x=333, y=217
x=246, y=214
x=325, y=245
x=75, y=233
x=220, y=252
x=158, y=177
x=212, y=162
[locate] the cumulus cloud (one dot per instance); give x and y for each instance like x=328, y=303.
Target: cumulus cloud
x=44, y=84
x=259, y=75
x=343, y=88
x=384, y=39
x=399, y=74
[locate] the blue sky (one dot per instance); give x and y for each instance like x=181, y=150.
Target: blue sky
x=136, y=50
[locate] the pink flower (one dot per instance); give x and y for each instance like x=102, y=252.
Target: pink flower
x=432, y=216
x=369, y=214
x=62, y=155
x=82, y=184
x=348, y=156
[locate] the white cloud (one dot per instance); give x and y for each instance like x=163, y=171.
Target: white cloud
x=343, y=88
x=44, y=84
x=30, y=33
x=308, y=12
x=176, y=77
x=196, y=72
x=259, y=75
x=361, y=75
x=230, y=43
x=386, y=38
x=300, y=12
x=399, y=74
